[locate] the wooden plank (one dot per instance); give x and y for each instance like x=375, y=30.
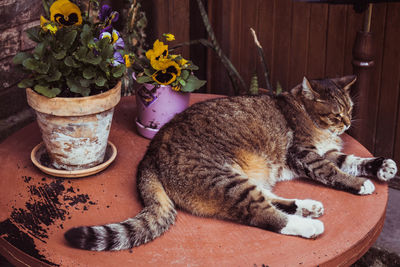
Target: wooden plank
x=265, y=33
x=396, y=149
x=335, y=43
x=198, y=52
x=378, y=30
x=388, y=102
x=317, y=41
x=354, y=24
x=178, y=21
x=299, y=44
x=248, y=50
x=282, y=39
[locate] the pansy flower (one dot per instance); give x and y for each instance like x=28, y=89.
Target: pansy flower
x=65, y=13
x=115, y=39
x=48, y=25
x=118, y=59
x=107, y=16
x=167, y=75
x=159, y=52
x=169, y=37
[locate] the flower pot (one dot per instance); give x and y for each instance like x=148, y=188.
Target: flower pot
x=156, y=105
x=75, y=130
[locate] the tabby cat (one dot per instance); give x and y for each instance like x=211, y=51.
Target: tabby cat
x=221, y=158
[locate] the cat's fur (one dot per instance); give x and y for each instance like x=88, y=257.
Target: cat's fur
x=221, y=158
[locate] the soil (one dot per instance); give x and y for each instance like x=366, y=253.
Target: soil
x=49, y=204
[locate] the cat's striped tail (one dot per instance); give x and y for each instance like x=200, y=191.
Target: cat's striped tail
x=156, y=217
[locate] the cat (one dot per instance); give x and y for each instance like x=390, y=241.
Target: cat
x=221, y=158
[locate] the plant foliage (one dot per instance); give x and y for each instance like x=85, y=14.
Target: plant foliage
x=72, y=60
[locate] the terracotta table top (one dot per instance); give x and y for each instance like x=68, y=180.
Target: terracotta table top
x=36, y=210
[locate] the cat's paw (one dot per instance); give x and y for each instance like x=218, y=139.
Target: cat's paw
x=387, y=171
x=304, y=227
x=367, y=188
x=309, y=208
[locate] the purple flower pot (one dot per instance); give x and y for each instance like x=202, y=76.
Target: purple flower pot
x=157, y=105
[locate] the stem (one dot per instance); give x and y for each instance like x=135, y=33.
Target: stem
x=237, y=80
x=46, y=8
x=262, y=59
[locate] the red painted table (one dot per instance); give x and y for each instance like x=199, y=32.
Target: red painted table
x=36, y=210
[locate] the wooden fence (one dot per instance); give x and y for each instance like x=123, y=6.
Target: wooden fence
x=299, y=39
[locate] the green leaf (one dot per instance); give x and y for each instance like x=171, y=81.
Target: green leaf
x=85, y=82
x=36, y=65
x=81, y=53
x=118, y=71
x=46, y=91
x=86, y=35
x=192, y=83
x=77, y=88
x=60, y=55
x=92, y=59
x=89, y=73
x=144, y=79
x=108, y=50
x=26, y=83
x=54, y=76
x=20, y=57
x=39, y=51
x=69, y=38
x=33, y=34
x=100, y=81
x=181, y=81
x=278, y=88
x=192, y=67
x=148, y=72
x=70, y=62
x=185, y=74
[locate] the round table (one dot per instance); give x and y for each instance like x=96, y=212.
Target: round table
x=36, y=210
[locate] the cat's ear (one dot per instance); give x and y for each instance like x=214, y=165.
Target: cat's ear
x=346, y=82
x=307, y=90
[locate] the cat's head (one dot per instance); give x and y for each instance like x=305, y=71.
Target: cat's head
x=328, y=102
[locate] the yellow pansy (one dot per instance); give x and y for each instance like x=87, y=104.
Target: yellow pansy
x=127, y=60
x=167, y=75
x=159, y=51
x=169, y=37
x=65, y=13
x=183, y=62
x=47, y=26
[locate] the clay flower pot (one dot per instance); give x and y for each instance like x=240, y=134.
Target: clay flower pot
x=75, y=130
x=157, y=105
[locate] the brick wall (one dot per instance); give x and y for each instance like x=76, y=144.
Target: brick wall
x=15, y=17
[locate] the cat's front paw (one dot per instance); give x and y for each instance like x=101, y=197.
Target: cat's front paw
x=309, y=208
x=304, y=227
x=367, y=188
x=387, y=170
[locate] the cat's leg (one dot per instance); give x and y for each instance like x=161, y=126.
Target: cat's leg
x=307, y=162
x=302, y=207
x=248, y=204
x=383, y=169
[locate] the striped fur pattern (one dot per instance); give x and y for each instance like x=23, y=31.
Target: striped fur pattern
x=222, y=157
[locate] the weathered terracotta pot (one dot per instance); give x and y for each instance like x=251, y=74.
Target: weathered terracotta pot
x=75, y=130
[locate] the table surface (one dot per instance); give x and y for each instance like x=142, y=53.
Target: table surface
x=36, y=210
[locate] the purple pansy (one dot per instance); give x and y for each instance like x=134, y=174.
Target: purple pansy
x=118, y=59
x=107, y=16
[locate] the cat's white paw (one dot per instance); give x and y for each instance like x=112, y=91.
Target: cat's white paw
x=367, y=188
x=388, y=170
x=309, y=208
x=304, y=227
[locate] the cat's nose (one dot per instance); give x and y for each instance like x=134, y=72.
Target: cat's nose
x=346, y=121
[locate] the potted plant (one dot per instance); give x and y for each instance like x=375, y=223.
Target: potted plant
x=167, y=82
x=73, y=81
